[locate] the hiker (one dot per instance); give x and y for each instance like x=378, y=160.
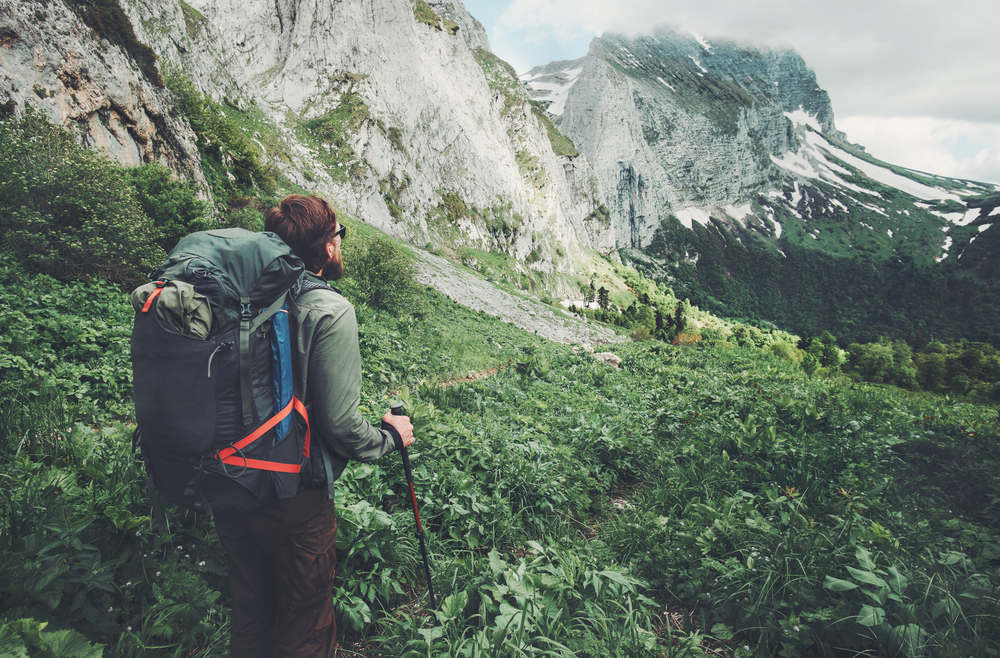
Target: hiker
x=281, y=555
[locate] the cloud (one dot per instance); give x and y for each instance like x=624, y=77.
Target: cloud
x=959, y=149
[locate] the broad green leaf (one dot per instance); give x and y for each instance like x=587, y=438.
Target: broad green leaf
x=867, y=577
x=615, y=576
x=71, y=644
x=432, y=633
x=838, y=585
x=870, y=616
x=865, y=559
x=453, y=606
x=721, y=632
x=897, y=581
x=911, y=638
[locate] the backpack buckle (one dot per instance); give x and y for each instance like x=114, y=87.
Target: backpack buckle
x=245, y=310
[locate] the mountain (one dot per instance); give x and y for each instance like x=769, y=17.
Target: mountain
x=713, y=166
x=395, y=110
x=726, y=178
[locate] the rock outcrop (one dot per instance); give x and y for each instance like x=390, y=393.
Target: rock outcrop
x=51, y=60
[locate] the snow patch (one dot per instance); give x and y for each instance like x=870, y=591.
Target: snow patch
x=996, y=211
x=700, y=39
x=802, y=118
x=666, y=83
x=817, y=148
x=739, y=213
x=947, y=246
x=558, y=89
x=983, y=227
x=689, y=216
x=889, y=231
x=698, y=64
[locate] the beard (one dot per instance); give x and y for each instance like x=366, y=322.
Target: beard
x=334, y=268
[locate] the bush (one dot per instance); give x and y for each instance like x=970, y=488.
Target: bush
x=171, y=204
x=67, y=211
x=382, y=274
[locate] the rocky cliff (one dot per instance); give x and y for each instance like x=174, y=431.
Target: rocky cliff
x=672, y=121
x=727, y=179
x=52, y=60
x=395, y=110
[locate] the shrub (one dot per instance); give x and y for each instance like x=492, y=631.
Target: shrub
x=171, y=204
x=382, y=273
x=67, y=211
x=786, y=351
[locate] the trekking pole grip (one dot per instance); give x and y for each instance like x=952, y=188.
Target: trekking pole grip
x=396, y=409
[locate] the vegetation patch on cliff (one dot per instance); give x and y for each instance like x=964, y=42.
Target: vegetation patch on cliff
x=330, y=135
x=230, y=160
x=423, y=13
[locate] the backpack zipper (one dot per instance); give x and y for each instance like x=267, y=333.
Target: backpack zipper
x=226, y=346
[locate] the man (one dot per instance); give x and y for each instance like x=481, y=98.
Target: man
x=281, y=556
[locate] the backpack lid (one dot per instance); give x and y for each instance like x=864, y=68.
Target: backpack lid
x=259, y=266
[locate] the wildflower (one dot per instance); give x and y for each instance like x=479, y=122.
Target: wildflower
x=795, y=628
x=110, y=609
x=157, y=573
x=128, y=584
x=128, y=628
x=201, y=564
x=188, y=556
x=180, y=548
x=138, y=533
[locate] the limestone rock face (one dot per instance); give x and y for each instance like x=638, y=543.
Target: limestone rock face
x=672, y=121
x=438, y=141
x=52, y=61
x=397, y=113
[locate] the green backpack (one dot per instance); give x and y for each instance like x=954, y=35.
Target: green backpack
x=212, y=373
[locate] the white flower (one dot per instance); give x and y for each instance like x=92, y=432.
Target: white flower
x=128, y=584
x=157, y=573
x=201, y=564
x=795, y=628
x=110, y=609
x=128, y=628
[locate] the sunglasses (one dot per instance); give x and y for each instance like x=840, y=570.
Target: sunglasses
x=342, y=232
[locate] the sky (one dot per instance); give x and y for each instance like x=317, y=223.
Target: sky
x=916, y=82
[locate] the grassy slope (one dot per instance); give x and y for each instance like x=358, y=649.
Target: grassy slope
x=566, y=502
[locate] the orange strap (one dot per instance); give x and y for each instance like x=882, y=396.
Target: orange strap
x=152, y=296
x=228, y=455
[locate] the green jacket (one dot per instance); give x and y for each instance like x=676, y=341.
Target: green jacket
x=328, y=381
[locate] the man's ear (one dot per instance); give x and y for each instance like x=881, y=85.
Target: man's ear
x=329, y=249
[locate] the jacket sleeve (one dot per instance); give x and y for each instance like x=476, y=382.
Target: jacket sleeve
x=335, y=391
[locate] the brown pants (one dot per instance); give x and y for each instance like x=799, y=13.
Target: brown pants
x=282, y=561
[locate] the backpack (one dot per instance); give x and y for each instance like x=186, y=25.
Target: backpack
x=212, y=374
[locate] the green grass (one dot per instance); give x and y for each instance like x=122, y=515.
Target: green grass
x=568, y=505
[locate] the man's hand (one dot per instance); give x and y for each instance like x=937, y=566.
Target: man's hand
x=402, y=425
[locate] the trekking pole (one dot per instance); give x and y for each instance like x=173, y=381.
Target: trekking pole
x=397, y=410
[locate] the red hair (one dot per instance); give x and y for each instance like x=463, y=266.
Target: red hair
x=307, y=225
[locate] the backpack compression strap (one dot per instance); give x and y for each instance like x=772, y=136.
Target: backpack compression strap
x=229, y=455
x=153, y=295
x=249, y=324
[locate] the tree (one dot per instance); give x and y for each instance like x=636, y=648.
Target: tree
x=602, y=298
